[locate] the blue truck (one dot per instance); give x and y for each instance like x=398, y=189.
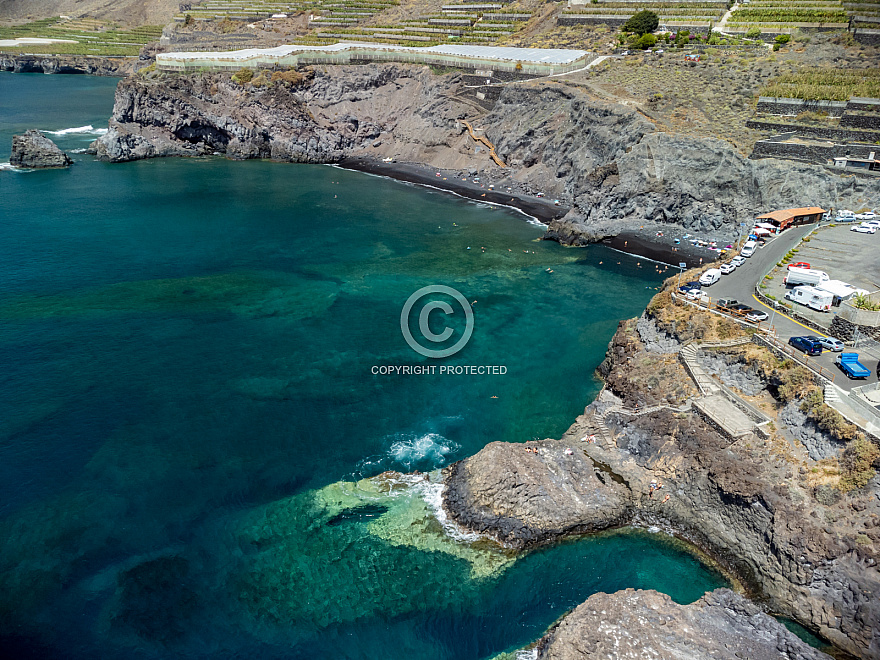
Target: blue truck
x=849, y=363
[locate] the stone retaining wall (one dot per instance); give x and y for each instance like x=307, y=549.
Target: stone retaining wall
x=838, y=134
x=809, y=153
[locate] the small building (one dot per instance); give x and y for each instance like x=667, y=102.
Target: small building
x=870, y=163
x=782, y=220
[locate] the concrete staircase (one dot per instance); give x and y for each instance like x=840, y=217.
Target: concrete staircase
x=705, y=383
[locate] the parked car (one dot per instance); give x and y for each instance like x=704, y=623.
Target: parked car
x=740, y=309
x=872, y=223
x=831, y=344
x=738, y=261
x=726, y=303
x=699, y=296
x=756, y=316
x=800, y=264
x=863, y=229
x=808, y=345
x=727, y=269
x=867, y=215
x=694, y=284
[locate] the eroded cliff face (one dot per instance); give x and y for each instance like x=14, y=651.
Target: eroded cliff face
x=602, y=159
x=745, y=501
x=93, y=66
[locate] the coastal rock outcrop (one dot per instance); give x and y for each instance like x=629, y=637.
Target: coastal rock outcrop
x=523, y=498
x=604, y=160
x=645, y=624
x=35, y=150
x=745, y=501
x=76, y=64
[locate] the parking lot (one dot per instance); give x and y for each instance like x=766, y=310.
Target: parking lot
x=845, y=255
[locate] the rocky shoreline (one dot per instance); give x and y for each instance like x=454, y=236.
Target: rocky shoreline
x=604, y=162
x=805, y=551
x=742, y=500
x=92, y=65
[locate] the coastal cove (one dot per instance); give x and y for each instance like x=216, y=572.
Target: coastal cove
x=189, y=407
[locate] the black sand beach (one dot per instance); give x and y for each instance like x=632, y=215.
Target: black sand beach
x=541, y=208
x=643, y=243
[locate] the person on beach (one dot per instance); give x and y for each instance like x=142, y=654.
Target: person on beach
x=666, y=499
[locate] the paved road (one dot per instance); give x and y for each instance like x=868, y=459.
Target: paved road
x=740, y=284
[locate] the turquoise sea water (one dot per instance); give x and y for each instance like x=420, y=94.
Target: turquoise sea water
x=188, y=398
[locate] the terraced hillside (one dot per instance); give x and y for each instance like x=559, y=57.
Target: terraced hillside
x=84, y=36
x=787, y=16
x=673, y=14
x=408, y=22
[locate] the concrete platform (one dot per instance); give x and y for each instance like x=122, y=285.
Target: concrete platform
x=733, y=421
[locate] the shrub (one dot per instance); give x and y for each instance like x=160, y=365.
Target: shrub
x=776, y=47
x=861, y=301
x=753, y=33
x=261, y=80
x=290, y=76
x=857, y=463
x=642, y=22
x=243, y=76
x=647, y=41
x=782, y=38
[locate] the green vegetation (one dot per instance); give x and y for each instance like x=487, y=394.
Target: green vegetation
x=862, y=301
x=243, y=76
x=642, y=23
x=89, y=37
x=825, y=84
x=857, y=463
x=753, y=33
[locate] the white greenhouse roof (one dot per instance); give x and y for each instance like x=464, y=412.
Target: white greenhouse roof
x=530, y=55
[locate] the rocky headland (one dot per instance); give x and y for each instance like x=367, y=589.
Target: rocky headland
x=604, y=161
x=781, y=522
x=646, y=624
x=73, y=64
x=34, y=150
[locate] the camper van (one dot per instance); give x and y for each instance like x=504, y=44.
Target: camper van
x=811, y=276
x=748, y=249
x=811, y=297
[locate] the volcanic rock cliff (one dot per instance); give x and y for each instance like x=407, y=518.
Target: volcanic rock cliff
x=604, y=160
x=808, y=552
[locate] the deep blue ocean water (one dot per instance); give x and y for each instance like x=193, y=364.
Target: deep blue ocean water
x=187, y=398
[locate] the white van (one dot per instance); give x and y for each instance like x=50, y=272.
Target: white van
x=710, y=276
x=811, y=297
x=812, y=276
x=748, y=249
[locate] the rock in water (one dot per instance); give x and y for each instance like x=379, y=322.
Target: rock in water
x=520, y=498
x=33, y=149
x=646, y=624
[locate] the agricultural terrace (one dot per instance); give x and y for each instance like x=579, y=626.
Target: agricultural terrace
x=825, y=84
x=672, y=14
x=84, y=36
x=786, y=16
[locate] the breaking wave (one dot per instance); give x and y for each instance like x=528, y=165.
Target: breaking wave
x=78, y=129
x=409, y=452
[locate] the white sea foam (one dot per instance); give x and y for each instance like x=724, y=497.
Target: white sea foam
x=530, y=654
x=79, y=129
x=77, y=151
x=9, y=167
x=429, y=450
x=432, y=493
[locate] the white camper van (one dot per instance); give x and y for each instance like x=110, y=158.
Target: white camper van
x=811, y=276
x=811, y=297
x=748, y=249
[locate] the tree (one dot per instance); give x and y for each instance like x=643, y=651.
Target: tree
x=647, y=41
x=753, y=33
x=641, y=23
